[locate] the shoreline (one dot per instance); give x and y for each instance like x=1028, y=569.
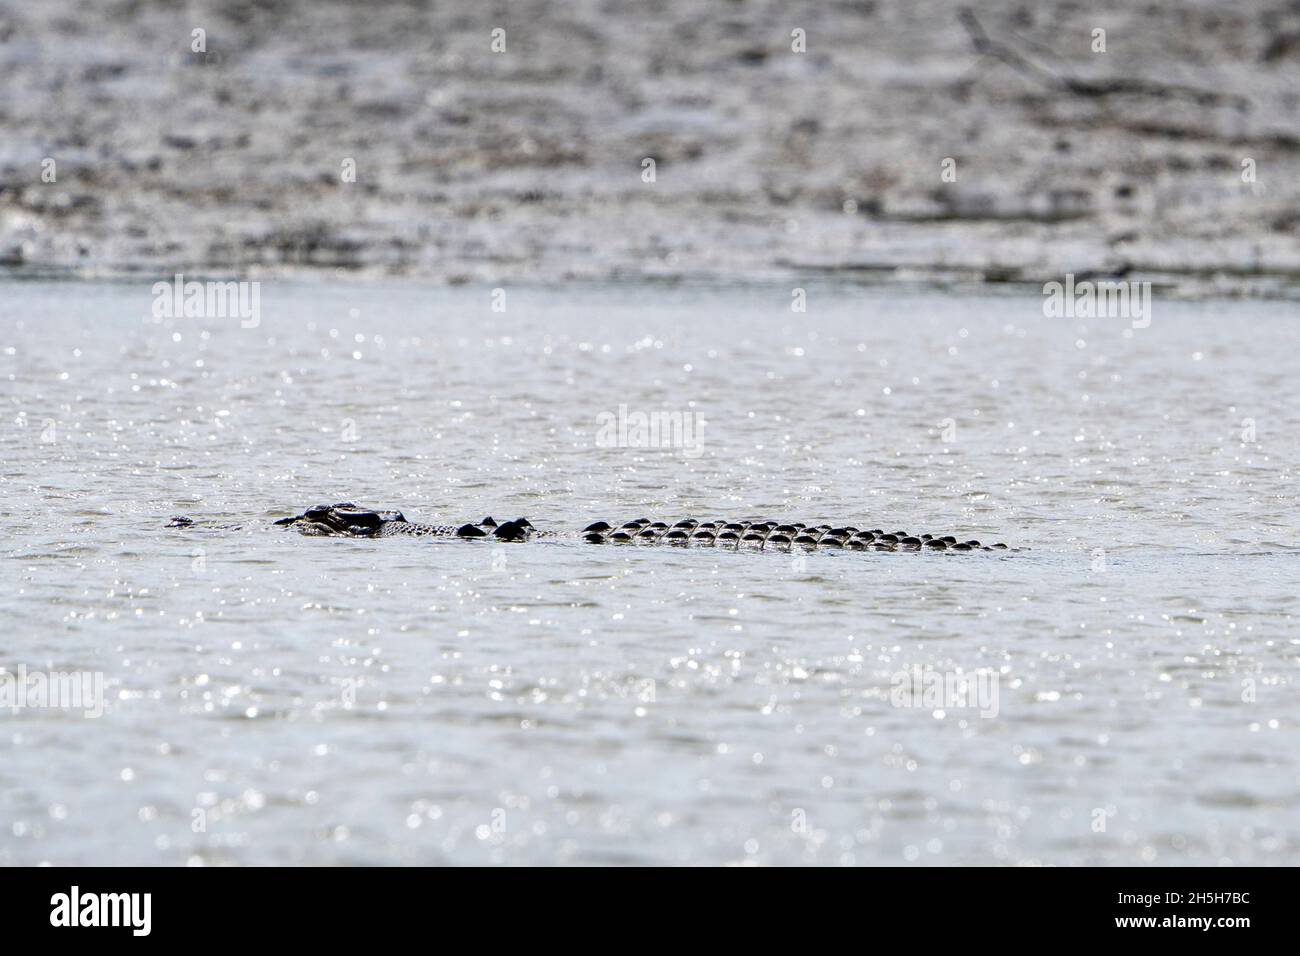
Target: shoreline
x=1194, y=286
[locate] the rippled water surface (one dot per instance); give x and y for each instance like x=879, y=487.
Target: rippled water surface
x=274, y=698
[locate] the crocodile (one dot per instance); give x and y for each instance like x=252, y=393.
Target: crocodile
x=346, y=519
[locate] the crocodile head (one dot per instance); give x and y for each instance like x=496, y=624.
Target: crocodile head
x=343, y=518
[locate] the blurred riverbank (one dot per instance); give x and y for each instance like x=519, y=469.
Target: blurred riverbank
x=527, y=164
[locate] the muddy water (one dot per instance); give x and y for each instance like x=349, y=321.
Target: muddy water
x=271, y=698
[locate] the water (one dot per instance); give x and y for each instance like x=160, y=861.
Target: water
x=273, y=698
